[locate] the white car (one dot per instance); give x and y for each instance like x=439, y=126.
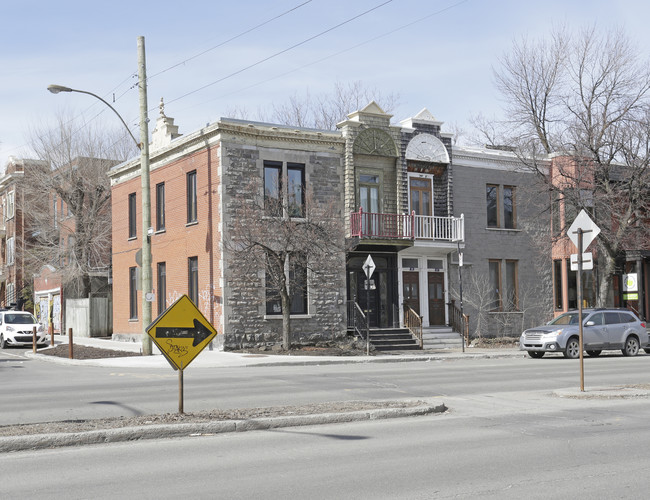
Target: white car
x=17, y=328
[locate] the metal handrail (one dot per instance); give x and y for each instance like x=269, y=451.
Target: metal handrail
x=413, y=322
x=357, y=319
x=459, y=322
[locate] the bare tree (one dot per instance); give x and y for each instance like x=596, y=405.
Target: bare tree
x=293, y=246
x=323, y=111
x=586, y=100
x=68, y=201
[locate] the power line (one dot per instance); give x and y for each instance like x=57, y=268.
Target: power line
x=280, y=52
x=404, y=26
x=229, y=40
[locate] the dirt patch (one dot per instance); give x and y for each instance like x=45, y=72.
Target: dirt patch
x=71, y=426
x=496, y=343
x=85, y=352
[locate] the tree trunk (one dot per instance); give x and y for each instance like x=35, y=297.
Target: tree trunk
x=286, y=319
x=605, y=280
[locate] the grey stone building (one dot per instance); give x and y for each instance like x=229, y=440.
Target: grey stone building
x=506, y=255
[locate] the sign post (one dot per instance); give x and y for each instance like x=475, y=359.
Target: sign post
x=582, y=232
x=368, y=269
x=181, y=333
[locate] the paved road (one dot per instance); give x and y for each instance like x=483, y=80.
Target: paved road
x=37, y=391
x=502, y=445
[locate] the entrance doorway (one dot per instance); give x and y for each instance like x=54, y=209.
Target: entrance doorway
x=380, y=300
x=436, y=289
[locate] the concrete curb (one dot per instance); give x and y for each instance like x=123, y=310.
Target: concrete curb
x=621, y=392
x=164, y=431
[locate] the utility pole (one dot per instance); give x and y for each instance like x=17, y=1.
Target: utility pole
x=145, y=275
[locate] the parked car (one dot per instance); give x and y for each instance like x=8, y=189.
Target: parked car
x=16, y=328
x=602, y=329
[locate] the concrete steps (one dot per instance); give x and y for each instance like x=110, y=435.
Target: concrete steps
x=441, y=337
x=393, y=339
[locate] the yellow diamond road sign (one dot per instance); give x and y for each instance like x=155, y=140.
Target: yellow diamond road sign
x=181, y=332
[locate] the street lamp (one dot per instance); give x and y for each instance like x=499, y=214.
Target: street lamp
x=143, y=145
x=55, y=89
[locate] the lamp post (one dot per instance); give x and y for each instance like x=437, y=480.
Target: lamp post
x=143, y=145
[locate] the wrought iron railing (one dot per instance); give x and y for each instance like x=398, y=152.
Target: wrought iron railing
x=459, y=322
x=357, y=320
x=413, y=322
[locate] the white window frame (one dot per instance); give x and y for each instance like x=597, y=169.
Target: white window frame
x=11, y=205
x=11, y=250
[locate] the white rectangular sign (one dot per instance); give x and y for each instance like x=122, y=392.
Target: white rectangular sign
x=587, y=261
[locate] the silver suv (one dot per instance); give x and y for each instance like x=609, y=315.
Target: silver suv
x=602, y=329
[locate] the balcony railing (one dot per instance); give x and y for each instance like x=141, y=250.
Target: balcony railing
x=406, y=226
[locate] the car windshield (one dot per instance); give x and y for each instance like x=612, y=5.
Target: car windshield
x=20, y=319
x=566, y=319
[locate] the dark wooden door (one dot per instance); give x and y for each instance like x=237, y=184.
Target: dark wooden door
x=411, y=290
x=436, y=299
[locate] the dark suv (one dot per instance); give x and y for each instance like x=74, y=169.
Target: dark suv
x=602, y=329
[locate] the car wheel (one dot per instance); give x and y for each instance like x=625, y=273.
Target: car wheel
x=631, y=346
x=536, y=354
x=572, y=350
x=594, y=354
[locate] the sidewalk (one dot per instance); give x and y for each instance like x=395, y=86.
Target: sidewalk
x=221, y=359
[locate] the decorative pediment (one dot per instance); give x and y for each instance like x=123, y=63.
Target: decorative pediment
x=427, y=148
x=374, y=141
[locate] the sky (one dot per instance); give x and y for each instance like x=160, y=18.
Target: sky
x=208, y=58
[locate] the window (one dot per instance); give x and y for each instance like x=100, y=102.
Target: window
x=11, y=251
x=557, y=285
x=191, y=197
x=277, y=196
x=272, y=188
x=512, y=287
x=296, y=189
x=69, y=251
x=55, y=211
x=410, y=263
x=133, y=293
x=492, y=200
x=11, y=206
x=556, y=225
x=509, y=208
x=495, y=285
x=161, y=275
x=369, y=193
x=494, y=203
x=572, y=286
x=132, y=216
x=11, y=293
x=297, y=272
x=160, y=206
x=420, y=190
x=193, y=279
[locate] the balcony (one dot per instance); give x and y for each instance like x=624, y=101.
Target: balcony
x=406, y=226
